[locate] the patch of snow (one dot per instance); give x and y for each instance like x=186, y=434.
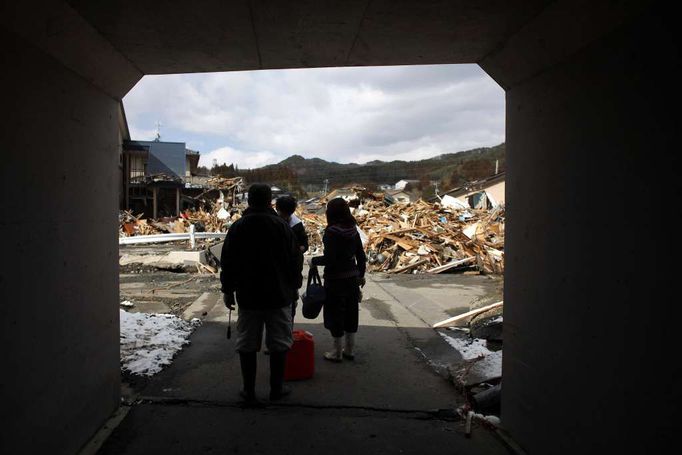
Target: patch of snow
x=487, y=364
x=127, y=303
x=150, y=341
x=469, y=348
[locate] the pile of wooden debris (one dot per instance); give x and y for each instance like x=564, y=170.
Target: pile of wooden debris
x=222, y=183
x=215, y=219
x=417, y=237
x=423, y=237
x=129, y=224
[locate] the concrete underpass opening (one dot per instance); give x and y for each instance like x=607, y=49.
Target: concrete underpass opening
x=422, y=115
x=584, y=111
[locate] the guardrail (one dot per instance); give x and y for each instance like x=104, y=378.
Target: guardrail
x=160, y=238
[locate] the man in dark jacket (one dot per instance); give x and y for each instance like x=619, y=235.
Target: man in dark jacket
x=286, y=206
x=259, y=264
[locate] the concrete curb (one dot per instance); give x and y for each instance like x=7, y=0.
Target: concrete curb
x=100, y=437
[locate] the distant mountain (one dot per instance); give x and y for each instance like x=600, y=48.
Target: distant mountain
x=447, y=168
x=301, y=175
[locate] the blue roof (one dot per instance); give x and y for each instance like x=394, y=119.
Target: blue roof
x=164, y=157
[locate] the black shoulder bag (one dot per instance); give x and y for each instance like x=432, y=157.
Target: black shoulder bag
x=314, y=296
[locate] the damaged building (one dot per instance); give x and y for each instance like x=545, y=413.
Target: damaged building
x=158, y=178
x=483, y=194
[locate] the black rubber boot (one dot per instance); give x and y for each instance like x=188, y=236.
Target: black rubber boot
x=248, y=362
x=277, y=364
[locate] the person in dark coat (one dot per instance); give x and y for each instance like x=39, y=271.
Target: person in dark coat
x=286, y=206
x=344, y=264
x=259, y=263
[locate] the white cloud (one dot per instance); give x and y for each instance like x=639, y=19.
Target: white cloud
x=228, y=155
x=339, y=114
x=141, y=134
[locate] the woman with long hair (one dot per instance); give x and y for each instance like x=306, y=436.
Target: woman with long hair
x=344, y=264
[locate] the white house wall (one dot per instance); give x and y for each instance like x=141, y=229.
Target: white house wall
x=497, y=191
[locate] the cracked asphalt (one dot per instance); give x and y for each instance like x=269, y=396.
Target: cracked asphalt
x=389, y=400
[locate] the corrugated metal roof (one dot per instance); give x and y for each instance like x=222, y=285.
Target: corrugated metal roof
x=164, y=157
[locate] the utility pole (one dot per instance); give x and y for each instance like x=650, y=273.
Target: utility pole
x=326, y=183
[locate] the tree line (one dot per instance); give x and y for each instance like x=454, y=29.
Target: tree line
x=300, y=175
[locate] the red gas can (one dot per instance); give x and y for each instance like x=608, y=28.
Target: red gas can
x=301, y=357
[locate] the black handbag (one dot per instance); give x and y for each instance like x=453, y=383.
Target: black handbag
x=314, y=296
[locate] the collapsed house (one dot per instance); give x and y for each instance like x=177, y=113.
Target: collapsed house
x=481, y=194
x=393, y=196
x=159, y=178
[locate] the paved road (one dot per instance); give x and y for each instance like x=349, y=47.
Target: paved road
x=389, y=400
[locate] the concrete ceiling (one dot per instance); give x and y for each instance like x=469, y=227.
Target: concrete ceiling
x=179, y=36
x=113, y=43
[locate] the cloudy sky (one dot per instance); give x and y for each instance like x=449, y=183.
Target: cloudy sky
x=339, y=114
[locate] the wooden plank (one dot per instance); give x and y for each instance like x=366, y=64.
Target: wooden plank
x=403, y=243
x=451, y=265
x=400, y=231
x=409, y=266
x=462, y=318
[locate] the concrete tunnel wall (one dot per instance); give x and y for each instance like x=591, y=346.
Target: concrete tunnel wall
x=581, y=257
x=590, y=162
x=59, y=279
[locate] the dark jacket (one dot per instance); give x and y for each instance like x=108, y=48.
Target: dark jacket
x=299, y=232
x=344, y=256
x=259, y=261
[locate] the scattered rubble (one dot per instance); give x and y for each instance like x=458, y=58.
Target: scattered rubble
x=215, y=219
x=234, y=184
x=130, y=224
x=192, y=262
x=212, y=215
x=479, y=373
x=424, y=237
x=410, y=237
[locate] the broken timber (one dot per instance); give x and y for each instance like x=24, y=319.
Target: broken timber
x=451, y=265
x=409, y=266
x=457, y=320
